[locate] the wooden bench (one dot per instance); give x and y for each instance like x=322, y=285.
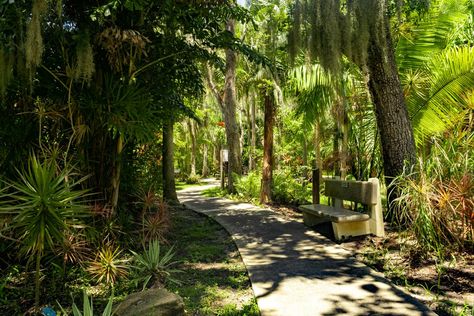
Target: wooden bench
x=347, y=223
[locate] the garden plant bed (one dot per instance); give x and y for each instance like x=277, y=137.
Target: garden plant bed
x=213, y=279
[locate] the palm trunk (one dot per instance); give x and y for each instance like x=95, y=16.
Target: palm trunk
x=267, y=172
x=169, y=186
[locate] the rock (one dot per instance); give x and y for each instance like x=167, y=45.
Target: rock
x=153, y=302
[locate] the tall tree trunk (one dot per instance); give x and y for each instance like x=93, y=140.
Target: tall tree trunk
x=169, y=186
x=253, y=138
x=192, y=133
x=305, y=157
x=318, y=161
x=231, y=128
x=249, y=129
x=241, y=134
x=398, y=145
x=116, y=174
x=267, y=172
x=205, y=169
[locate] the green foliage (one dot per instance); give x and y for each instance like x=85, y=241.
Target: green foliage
x=287, y=188
x=193, y=179
x=154, y=266
x=108, y=265
x=436, y=197
x=442, y=99
x=88, y=307
x=248, y=187
x=45, y=207
x=44, y=204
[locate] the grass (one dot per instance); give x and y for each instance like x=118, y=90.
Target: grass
x=180, y=185
x=214, y=279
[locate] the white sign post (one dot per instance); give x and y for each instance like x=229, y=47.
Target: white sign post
x=224, y=165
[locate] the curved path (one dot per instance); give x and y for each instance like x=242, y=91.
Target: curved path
x=295, y=270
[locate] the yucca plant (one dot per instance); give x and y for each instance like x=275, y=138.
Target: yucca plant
x=153, y=266
x=88, y=307
x=108, y=265
x=45, y=206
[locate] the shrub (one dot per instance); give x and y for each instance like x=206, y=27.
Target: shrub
x=436, y=197
x=45, y=207
x=87, y=308
x=108, y=265
x=248, y=187
x=289, y=189
x=153, y=266
x=193, y=179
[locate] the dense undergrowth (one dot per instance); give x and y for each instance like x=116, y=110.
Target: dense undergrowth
x=58, y=246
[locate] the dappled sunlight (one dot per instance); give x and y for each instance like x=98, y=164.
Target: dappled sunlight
x=296, y=271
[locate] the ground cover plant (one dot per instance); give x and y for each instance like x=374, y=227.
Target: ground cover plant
x=203, y=266
x=108, y=107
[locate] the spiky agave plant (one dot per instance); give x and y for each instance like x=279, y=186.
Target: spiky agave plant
x=154, y=265
x=45, y=206
x=108, y=265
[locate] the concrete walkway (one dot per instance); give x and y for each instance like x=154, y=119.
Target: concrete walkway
x=295, y=270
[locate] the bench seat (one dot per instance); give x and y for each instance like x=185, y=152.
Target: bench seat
x=333, y=214
x=347, y=223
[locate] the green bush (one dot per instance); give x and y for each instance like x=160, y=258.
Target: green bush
x=289, y=189
x=436, y=197
x=248, y=187
x=154, y=266
x=193, y=179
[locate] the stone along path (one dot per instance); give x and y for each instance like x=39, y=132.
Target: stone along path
x=295, y=270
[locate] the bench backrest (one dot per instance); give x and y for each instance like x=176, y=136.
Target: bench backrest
x=364, y=192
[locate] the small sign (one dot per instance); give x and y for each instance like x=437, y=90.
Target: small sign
x=225, y=155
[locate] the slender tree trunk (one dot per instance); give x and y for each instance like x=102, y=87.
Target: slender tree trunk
x=267, y=172
x=344, y=145
x=305, y=157
x=37, y=279
x=116, y=174
x=205, y=169
x=169, y=186
x=231, y=128
x=398, y=145
x=192, y=133
x=249, y=130
x=241, y=134
x=318, y=161
x=253, y=138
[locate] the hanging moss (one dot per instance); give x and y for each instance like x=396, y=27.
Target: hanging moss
x=339, y=27
x=34, y=40
x=84, y=58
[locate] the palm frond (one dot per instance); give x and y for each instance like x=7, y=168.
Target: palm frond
x=436, y=105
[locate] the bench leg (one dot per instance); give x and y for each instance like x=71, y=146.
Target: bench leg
x=346, y=229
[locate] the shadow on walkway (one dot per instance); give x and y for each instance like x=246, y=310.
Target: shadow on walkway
x=296, y=271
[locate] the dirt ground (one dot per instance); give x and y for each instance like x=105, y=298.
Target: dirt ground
x=448, y=287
